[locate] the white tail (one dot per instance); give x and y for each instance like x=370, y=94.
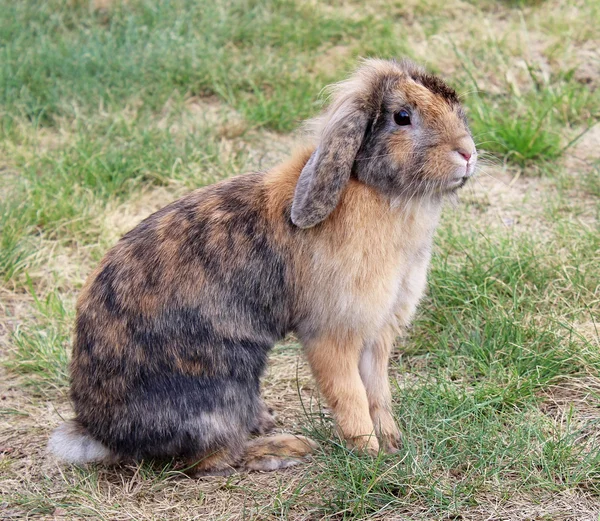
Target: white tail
x=70, y=442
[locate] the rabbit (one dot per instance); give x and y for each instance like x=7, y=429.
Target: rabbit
x=174, y=326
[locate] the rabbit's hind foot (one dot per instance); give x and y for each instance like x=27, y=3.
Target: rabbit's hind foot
x=277, y=452
x=219, y=463
x=261, y=454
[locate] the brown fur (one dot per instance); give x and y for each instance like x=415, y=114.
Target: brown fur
x=276, y=452
x=174, y=327
x=347, y=260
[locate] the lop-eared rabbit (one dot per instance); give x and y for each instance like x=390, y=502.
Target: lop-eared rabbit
x=175, y=325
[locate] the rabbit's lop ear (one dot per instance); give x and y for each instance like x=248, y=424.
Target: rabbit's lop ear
x=326, y=173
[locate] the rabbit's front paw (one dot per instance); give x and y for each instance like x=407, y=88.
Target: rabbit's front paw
x=367, y=444
x=387, y=432
x=390, y=441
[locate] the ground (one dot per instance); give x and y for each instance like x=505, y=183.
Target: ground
x=112, y=109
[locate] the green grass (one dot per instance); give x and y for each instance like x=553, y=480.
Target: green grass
x=103, y=82
x=68, y=63
x=15, y=248
x=61, y=191
x=524, y=128
x=455, y=449
x=41, y=347
x=489, y=342
x=520, y=136
x=95, y=111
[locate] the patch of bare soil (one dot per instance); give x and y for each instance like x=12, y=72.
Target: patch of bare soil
x=106, y=4
x=266, y=149
x=102, y=6
x=586, y=151
x=570, y=505
x=585, y=60
x=289, y=387
x=330, y=59
x=499, y=198
x=590, y=330
x=580, y=396
x=14, y=307
x=202, y=112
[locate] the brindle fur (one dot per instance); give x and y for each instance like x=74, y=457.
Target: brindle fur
x=174, y=327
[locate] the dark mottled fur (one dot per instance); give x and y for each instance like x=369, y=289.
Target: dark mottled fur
x=437, y=86
x=143, y=379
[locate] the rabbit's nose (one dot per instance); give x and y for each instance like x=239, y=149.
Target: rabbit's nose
x=465, y=153
x=465, y=147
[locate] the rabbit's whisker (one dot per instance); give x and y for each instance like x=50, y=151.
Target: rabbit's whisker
x=479, y=143
x=479, y=134
x=463, y=95
x=493, y=177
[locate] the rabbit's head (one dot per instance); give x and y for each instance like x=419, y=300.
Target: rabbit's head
x=392, y=126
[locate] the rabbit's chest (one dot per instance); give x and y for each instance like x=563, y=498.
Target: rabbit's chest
x=379, y=285
x=361, y=284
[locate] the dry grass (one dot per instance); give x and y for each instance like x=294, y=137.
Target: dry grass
x=500, y=49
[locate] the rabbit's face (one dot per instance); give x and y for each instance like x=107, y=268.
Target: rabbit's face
x=418, y=142
x=392, y=126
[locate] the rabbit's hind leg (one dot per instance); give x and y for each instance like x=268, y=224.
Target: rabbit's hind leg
x=260, y=454
x=222, y=462
x=277, y=452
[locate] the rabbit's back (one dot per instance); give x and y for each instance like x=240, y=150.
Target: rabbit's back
x=174, y=327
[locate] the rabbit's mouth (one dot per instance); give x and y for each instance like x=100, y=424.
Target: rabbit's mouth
x=458, y=182
x=462, y=182
x=468, y=169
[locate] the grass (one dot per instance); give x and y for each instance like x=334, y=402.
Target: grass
x=149, y=52
x=108, y=159
x=108, y=114
x=471, y=387
x=526, y=128
x=41, y=347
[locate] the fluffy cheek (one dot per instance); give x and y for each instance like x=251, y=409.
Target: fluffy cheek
x=401, y=147
x=405, y=161
x=410, y=158
x=438, y=166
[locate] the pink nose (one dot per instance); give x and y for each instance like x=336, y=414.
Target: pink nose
x=464, y=153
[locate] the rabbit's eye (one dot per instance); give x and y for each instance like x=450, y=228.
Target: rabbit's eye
x=402, y=118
